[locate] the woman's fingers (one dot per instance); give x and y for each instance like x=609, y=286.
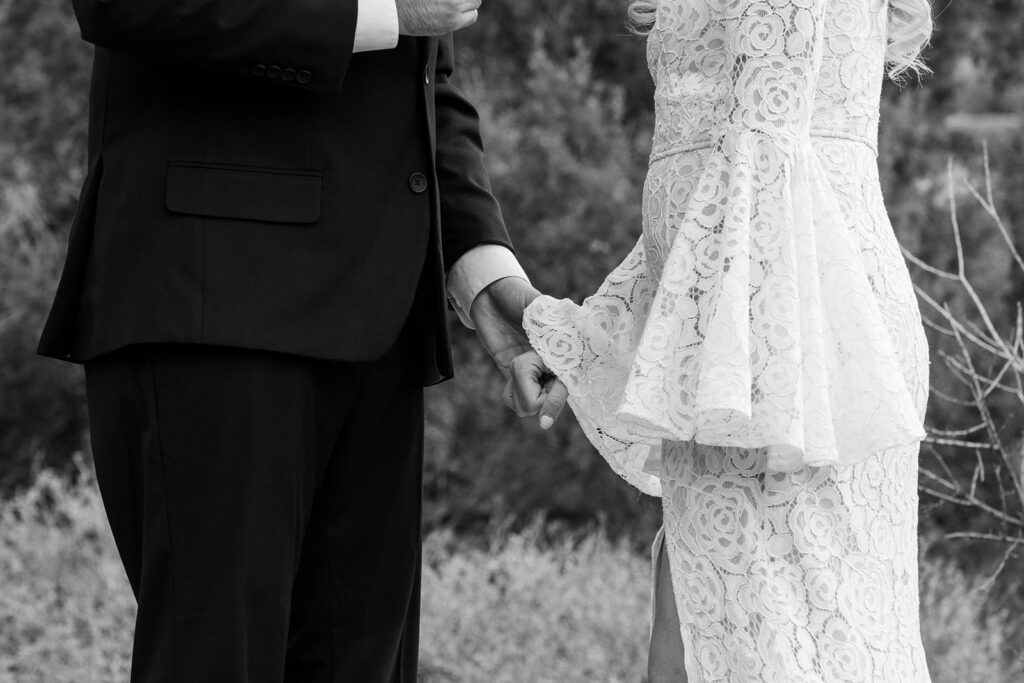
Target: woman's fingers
x=555, y=399
x=469, y=13
x=467, y=19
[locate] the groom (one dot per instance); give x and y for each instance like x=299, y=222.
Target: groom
x=279, y=192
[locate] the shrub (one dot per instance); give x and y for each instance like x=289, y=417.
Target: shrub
x=66, y=611
x=42, y=161
x=534, y=606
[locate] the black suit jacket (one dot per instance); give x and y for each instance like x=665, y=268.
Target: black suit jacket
x=255, y=184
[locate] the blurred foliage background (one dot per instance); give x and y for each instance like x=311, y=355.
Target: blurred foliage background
x=566, y=103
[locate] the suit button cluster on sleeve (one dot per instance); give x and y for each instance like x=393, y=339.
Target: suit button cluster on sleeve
x=287, y=75
x=418, y=183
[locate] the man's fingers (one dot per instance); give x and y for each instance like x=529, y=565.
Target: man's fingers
x=527, y=371
x=507, y=398
x=554, y=402
x=435, y=17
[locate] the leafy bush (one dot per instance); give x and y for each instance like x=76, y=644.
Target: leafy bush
x=66, y=610
x=564, y=167
x=521, y=608
x=42, y=407
x=42, y=162
x=969, y=633
x=539, y=605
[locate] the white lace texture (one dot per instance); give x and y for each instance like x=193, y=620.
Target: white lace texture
x=746, y=315
x=801, y=577
x=758, y=358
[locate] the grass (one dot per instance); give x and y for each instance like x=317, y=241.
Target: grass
x=518, y=609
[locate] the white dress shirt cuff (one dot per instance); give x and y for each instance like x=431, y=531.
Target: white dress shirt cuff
x=474, y=271
x=376, y=25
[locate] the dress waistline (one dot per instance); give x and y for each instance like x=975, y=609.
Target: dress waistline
x=708, y=143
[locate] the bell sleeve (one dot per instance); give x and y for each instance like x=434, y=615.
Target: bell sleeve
x=758, y=328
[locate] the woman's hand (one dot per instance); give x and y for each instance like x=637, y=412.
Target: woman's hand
x=531, y=388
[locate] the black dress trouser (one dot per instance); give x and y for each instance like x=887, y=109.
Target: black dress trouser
x=267, y=511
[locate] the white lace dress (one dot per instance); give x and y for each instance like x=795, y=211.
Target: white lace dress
x=758, y=359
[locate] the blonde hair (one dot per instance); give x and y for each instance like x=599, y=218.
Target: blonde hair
x=910, y=29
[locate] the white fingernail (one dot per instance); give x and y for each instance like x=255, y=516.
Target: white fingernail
x=546, y=421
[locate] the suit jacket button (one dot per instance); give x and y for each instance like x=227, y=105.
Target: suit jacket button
x=259, y=70
x=273, y=71
x=288, y=75
x=303, y=77
x=418, y=183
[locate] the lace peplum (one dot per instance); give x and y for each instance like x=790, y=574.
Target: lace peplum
x=746, y=317
x=758, y=359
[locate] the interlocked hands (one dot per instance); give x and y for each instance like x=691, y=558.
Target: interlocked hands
x=435, y=17
x=530, y=388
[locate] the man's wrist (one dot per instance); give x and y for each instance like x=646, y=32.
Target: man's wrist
x=497, y=294
x=475, y=271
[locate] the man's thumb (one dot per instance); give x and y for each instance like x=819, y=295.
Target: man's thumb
x=553, y=404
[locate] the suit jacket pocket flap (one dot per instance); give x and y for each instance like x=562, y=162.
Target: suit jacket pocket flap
x=246, y=193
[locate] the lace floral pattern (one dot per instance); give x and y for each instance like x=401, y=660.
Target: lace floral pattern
x=758, y=358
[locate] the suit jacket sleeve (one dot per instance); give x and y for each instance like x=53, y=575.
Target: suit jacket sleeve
x=307, y=42
x=470, y=215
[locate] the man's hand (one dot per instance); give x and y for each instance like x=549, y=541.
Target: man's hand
x=497, y=313
x=435, y=17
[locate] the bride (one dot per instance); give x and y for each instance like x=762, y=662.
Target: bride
x=758, y=359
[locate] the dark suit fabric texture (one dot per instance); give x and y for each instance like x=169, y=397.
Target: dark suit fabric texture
x=255, y=184
x=267, y=511
x=255, y=282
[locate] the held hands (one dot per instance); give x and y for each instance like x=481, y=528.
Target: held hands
x=497, y=313
x=435, y=17
x=532, y=389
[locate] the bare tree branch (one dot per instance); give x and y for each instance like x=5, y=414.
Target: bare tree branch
x=988, y=366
